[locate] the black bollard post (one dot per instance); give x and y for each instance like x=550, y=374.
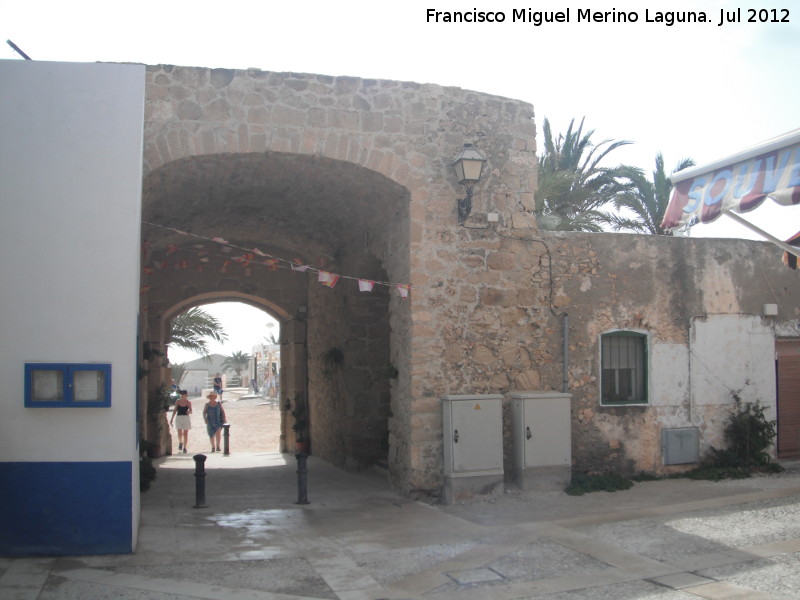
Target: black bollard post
x=200, y=480
x=302, y=471
x=226, y=434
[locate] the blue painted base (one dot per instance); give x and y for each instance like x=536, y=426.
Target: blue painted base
x=65, y=508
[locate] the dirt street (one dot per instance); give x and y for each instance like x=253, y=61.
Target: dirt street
x=255, y=426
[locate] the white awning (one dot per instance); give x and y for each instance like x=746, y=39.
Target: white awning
x=738, y=183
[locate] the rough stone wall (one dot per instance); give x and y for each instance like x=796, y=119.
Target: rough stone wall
x=407, y=132
x=349, y=376
x=488, y=299
x=662, y=286
x=494, y=325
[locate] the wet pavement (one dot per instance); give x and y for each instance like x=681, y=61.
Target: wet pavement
x=358, y=540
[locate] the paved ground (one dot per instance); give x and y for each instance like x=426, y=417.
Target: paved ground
x=255, y=426
x=357, y=540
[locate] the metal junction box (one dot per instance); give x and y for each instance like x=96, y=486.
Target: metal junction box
x=542, y=439
x=473, y=446
x=680, y=446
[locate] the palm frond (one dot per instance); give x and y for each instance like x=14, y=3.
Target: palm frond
x=573, y=186
x=192, y=329
x=646, y=200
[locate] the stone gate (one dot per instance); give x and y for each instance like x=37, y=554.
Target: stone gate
x=258, y=184
x=289, y=190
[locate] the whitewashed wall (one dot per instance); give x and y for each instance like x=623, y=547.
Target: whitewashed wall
x=730, y=354
x=70, y=184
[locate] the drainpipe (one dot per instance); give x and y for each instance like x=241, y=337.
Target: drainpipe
x=565, y=368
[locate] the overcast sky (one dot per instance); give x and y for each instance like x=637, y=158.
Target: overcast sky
x=245, y=325
x=696, y=90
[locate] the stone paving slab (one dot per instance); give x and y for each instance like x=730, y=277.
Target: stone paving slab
x=357, y=540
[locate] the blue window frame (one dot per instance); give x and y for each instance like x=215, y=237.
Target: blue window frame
x=67, y=384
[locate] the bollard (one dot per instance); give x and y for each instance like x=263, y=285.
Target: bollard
x=226, y=434
x=302, y=471
x=200, y=481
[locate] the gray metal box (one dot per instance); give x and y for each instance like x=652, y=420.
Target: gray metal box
x=472, y=432
x=680, y=446
x=542, y=437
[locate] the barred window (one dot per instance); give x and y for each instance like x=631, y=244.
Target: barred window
x=623, y=379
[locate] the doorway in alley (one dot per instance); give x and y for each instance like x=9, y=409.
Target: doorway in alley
x=239, y=344
x=304, y=239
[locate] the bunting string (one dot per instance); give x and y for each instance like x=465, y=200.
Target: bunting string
x=249, y=257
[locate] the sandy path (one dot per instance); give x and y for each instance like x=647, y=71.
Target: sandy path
x=255, y=426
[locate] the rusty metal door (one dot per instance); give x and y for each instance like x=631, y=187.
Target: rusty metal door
x=787, y=354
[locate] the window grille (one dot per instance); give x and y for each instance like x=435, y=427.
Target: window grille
x=624, y=368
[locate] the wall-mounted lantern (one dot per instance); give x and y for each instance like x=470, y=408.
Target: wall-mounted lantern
x=468, y=166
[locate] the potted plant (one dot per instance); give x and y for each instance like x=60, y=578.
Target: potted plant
x=158, y=404
x=147, y=471
x=300, y=426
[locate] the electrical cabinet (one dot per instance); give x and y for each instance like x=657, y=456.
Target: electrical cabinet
x=680, y=446
x=542, y=439
x=473, y=445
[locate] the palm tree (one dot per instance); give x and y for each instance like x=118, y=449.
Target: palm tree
x=572, y=185
x=645, y=199
x=236, y=362
x=191, y=329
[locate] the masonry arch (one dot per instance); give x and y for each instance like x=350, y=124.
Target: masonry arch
x=372, y=161
x=260, y=228
x=266, y=305
x=270, y=432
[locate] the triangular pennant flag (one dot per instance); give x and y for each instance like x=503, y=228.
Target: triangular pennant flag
x=171, y=249
x=219, y=240
x=328, y=279
x=365, y=285
x=259, y=252
x=403, y=288
x=301, y=268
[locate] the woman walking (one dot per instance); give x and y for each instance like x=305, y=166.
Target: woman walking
x=214, y=416
x=183, y=408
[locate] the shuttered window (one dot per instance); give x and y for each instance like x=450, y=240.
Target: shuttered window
x=623, y=377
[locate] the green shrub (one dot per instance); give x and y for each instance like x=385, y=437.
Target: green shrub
x=642, y=476
x=583, y=483
x=713, y=473
x=147, y=473
x=749, y=434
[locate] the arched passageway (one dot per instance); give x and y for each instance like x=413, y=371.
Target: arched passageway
x=352, y=176
x=264, y=229
x=246, y=358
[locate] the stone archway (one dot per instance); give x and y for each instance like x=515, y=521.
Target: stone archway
x=365, y=167
x=260, y=228
x=293, y=375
